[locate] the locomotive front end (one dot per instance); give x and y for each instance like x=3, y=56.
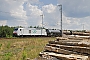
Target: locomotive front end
x=15, y=32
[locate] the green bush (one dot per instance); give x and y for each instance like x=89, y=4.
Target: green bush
x=24, y=55
x=8, y=55
x=6, y=31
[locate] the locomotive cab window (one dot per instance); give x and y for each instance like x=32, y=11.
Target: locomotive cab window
x=15, y=29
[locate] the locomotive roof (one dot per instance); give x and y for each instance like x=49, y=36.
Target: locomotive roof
x=29, y=28
x=54, y=30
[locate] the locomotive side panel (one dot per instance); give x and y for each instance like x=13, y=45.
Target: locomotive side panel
x=38, y=32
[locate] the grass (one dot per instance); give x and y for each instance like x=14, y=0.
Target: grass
x=22, y=48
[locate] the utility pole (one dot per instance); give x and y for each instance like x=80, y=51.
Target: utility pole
x=61, y=19
x=42, y=23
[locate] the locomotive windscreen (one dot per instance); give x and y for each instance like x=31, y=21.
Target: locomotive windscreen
x=15, y=29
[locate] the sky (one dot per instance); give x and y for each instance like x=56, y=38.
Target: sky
x=75, y=13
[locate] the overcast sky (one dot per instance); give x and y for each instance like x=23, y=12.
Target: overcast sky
x=76, y=13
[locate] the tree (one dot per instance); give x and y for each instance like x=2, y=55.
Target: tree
x=6, y=31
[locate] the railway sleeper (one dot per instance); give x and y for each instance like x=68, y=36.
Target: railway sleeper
x=65, y=57
x=72, y=48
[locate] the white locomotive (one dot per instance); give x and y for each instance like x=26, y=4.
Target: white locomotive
x=35, y=32
x=29, y=32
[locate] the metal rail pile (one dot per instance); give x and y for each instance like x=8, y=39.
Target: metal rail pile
x=67, y=50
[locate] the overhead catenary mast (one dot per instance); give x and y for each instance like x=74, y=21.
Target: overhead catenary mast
x=42, y=23
x=61, y=19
